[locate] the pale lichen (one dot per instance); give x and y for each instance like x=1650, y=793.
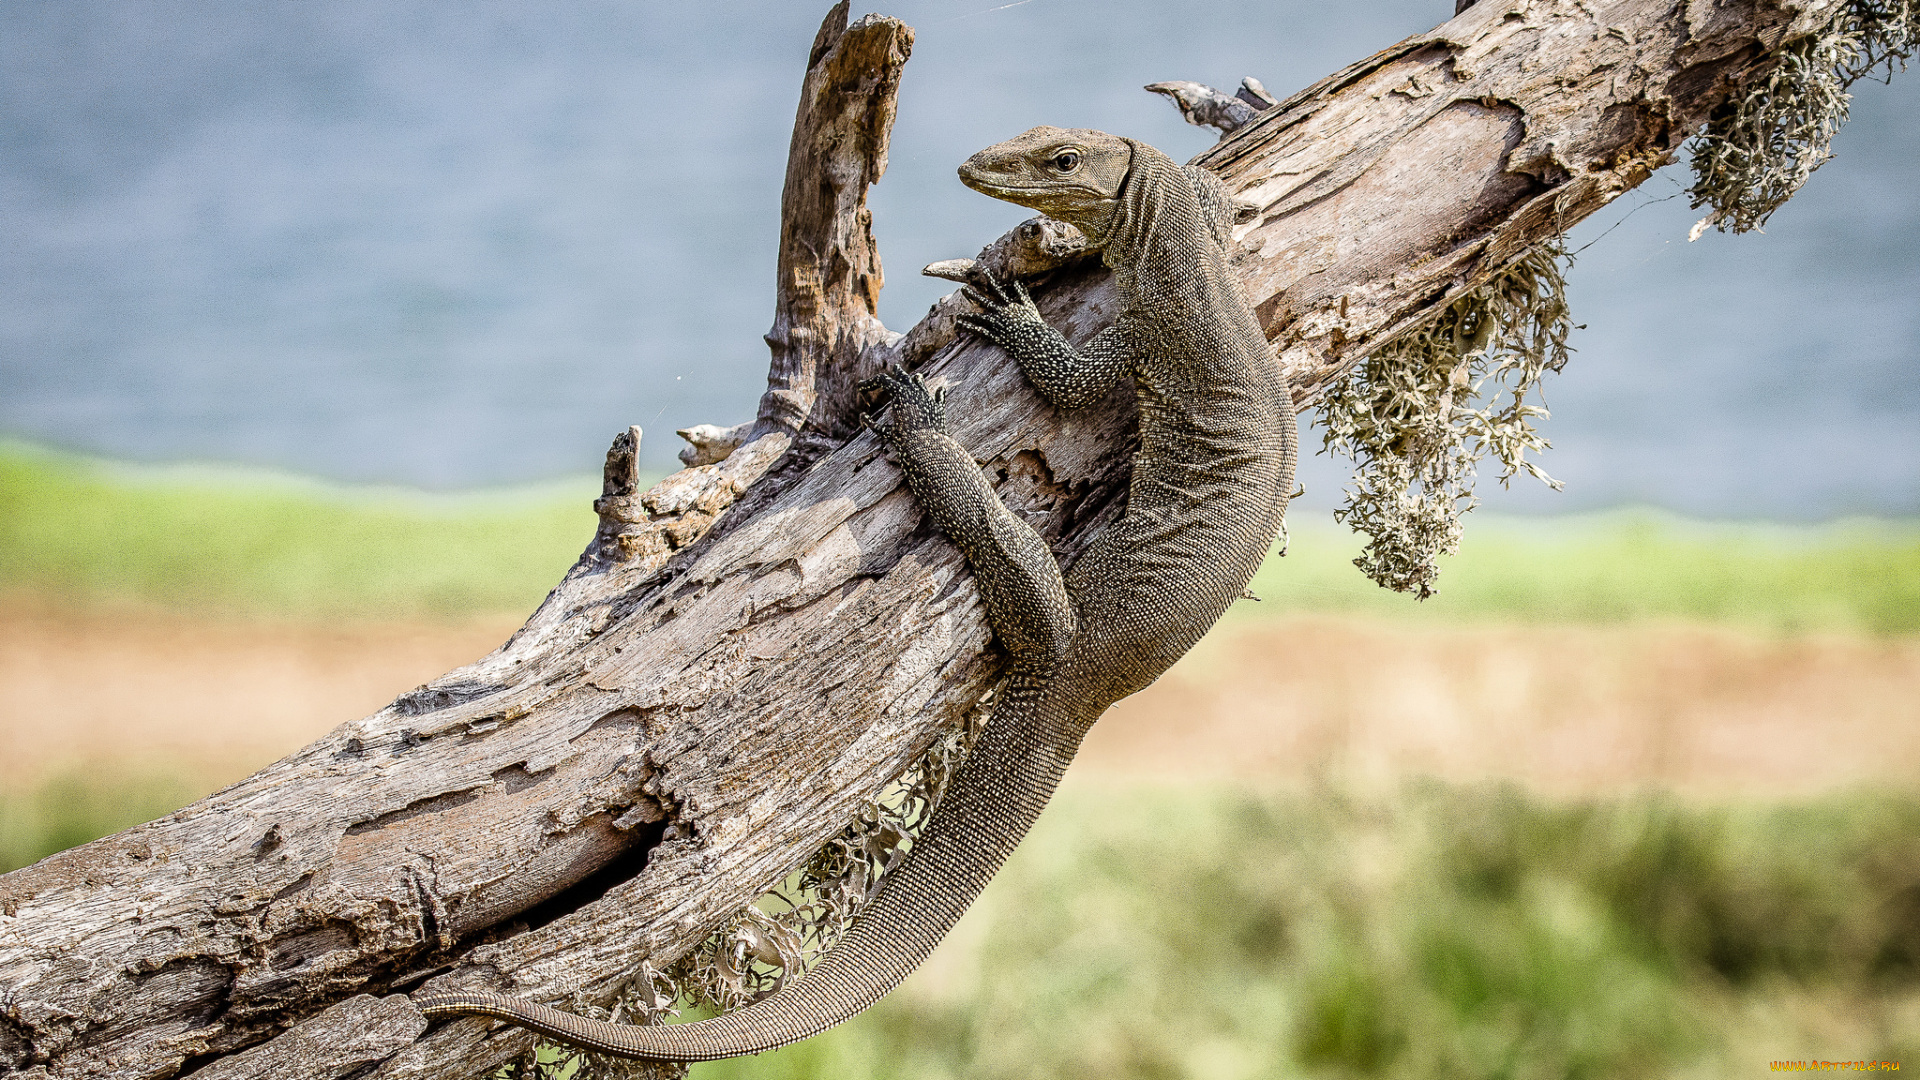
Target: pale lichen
x=754, y=952
x=787, y=929
x=648, y=997
x=1761, y=146
x=1419, y=413
x=1409, y=415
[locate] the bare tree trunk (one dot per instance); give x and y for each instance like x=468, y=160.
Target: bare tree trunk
x=690, y=715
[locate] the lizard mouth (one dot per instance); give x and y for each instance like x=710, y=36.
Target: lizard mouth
x=996, y=188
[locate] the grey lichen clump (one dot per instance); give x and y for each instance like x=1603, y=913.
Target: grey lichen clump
x=649, y=997
x=785, y=931
x=1759, y=148
x=780, y=935
x=1419, y=414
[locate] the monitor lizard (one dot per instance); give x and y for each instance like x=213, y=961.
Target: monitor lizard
x=1206, y=499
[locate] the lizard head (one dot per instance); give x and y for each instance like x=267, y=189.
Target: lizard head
x=1072, y=175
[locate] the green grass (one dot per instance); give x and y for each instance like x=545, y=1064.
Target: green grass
x=1439, y=931
x=1442, y=932
x=1445, y=932
x=1859, y=575
x=269, y=545
x=223, y=540
x=71, y=808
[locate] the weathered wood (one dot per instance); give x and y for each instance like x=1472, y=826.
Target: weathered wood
x=1207, y=107
x=826, y=330
x=689, y=715
x=1392, y=187
x=358, y=1032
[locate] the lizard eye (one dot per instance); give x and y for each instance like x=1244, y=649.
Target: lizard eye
x=1067, y=160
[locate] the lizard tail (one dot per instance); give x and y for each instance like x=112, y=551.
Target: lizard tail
x=994, y=798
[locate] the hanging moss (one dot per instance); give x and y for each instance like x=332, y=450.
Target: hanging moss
x=1419, y=414
x=1410, y=416
x=1759, y=148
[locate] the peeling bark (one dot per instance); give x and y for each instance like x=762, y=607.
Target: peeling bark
x=694, y=710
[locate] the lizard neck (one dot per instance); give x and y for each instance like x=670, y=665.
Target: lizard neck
x=1207, y=385
x=1155, y=239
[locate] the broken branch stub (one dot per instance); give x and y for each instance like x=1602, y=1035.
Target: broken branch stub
x=826, y=330
x=682, y=724
x=710, y=444
x=1206, y=107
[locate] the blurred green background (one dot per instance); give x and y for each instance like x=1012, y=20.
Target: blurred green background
x=1209, y=930
x=223, y=540
x=1440, y=932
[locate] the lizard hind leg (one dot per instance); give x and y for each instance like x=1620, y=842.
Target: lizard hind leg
x=994, y=797
x=916, y=407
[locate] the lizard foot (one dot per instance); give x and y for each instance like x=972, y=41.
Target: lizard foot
x=915, y=408
x=1008, y=317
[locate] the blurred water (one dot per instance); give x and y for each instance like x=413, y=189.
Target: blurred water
x=452, y=246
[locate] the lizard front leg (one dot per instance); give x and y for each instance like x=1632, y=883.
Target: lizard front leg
x=1067, y=377
x=1019, y=580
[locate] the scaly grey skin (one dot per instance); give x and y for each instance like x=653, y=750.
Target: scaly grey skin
x=1209, y=490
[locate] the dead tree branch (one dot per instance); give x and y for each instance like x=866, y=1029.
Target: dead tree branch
x=693, y=712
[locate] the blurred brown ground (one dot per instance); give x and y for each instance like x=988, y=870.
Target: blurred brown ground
x=211, y=698
x=1704, y=711
x=1565, y=710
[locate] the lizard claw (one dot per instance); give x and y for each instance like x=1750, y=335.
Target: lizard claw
x=914, y=406
x=1007, y=312
x=986, y=290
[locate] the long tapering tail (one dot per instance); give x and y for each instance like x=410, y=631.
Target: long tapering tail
x=994, y=798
